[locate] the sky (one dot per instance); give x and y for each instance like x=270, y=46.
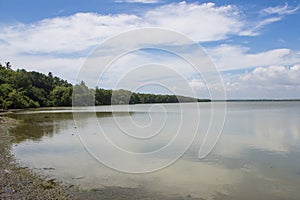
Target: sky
x=254, y=45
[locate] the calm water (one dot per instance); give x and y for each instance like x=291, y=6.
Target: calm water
x=257, y=156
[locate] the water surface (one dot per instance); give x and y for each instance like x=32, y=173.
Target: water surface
x=257, y=156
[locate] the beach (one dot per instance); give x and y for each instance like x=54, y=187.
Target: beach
x=19, y=182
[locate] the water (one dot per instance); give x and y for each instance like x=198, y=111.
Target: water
x=257, y=156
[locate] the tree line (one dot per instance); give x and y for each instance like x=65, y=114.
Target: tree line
x=29, y=89
x=22, y=89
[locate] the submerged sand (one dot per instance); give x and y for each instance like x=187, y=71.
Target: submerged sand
x=17, y=182
x=20, y=182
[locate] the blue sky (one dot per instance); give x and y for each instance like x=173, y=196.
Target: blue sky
x=254, y=44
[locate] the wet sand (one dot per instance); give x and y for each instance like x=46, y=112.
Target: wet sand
x=20, y=182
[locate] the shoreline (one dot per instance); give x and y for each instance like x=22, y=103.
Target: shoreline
x=19, y=182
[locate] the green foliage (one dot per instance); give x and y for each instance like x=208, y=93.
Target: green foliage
x=82, y=95
x=121, y=97
x=128, y=97
x=102, y=96
x=22, y=89
x=135, y=99
x=19, y=100
x=61, y=96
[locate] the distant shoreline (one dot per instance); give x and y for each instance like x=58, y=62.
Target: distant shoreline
x=254, y=100
x=4, y=111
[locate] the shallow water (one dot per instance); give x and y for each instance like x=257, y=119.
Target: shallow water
x=257, y=156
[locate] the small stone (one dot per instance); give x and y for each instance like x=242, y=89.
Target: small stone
x=9, y=190
x=70, y=186
x=48, y=184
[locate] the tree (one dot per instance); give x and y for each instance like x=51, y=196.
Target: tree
x=82, y=95
x=61, y=96
x=23, y=89
x=19, y=100
x=5, y=89
x=102, y=96
x=121, y=97
x=135, y=99
x=37, y=94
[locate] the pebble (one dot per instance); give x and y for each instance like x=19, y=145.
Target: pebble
x=9, y=190
x=21, y=183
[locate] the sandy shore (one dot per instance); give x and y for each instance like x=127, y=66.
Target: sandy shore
x=20, y=182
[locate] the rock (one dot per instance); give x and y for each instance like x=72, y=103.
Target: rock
x=10, y=190
x=70, y=186
x=49, y=184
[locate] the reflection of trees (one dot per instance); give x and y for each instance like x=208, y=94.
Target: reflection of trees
x=37, y=125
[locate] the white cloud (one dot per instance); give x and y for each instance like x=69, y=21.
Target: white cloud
x=270, y=15
x=274, y=76
x=228, y=57
x=82, y=31
x=197, y=84
x=276, y=81
x=205, y=22
x=65, y=34
x=57, y=43
x=143, y=66
x=280, y=10
x=60, y=44
x=254, y=28
x=266, y=22
x=201, y=22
